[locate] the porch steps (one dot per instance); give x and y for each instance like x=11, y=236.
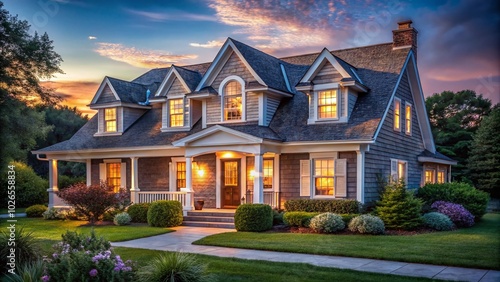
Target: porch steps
x=209, y=219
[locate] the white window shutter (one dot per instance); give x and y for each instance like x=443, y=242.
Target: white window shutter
x=102, y=172
x=394, y=170
x=305, y=178
x=119, y=119
x=123, y=175
x=100, y=120
x=341, y=178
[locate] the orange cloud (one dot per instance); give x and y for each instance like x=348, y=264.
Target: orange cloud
x=140, y=58
x=75, y=93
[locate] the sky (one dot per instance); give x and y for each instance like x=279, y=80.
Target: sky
x=458, y=41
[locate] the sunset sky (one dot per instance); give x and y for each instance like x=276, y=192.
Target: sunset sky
x=458, y=43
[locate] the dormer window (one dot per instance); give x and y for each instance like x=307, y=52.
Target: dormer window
x=233, y=101
x=110, y=120
x=327, y=104
x=176, y=107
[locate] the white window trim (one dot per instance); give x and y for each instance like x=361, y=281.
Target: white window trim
x=314, y=99
x=123, y=171
x=312, y=157
x=411, y=119
x=434, y=175
x=396, y=100
x=398, y=161
x=166, y=111
x=173, y=173
x=101, y=123
x=243, y=98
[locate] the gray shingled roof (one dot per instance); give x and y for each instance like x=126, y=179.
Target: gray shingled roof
x=130, y=92
x=192, y=78
x=378, y=66
x=437, y=155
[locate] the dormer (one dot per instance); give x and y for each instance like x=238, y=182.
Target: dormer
x=118, y=107
x=178, y=112
x=333, y=87
x=242, y=84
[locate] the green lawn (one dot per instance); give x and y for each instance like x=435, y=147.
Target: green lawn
x=232, y=269
x=477, y=246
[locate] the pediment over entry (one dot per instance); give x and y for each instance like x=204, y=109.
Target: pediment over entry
x=217, y=136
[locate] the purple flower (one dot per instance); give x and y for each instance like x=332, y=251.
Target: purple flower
x=93, y=273
x=45, y=278
x=55, y=255
x=456, y=212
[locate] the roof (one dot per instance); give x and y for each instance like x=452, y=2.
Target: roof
x=378, y=66
x=437, y=155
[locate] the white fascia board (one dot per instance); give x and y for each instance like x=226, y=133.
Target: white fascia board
x=104, y=82
x=169, y=80
x=213, y=129
x=118, y=104
x=119, y=152
x=319, y=62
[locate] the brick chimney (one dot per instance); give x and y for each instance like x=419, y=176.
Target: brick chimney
x=405, y=36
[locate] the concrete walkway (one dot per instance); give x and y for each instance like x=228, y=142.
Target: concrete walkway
x=6, y=215
x=183, y=237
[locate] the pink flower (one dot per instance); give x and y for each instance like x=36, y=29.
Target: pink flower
x=45, y=278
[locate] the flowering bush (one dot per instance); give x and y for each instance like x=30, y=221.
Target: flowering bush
x=367, y=224
x=438, y=221
x=92, y=201
x=52, y=214
x=87, y=258
x=327, y=222
x=457, y=213
x=122, y=219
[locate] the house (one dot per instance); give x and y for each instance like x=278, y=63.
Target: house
x=250, y=127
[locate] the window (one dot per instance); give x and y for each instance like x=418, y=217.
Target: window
x=176, y=107
x=441, y=176
x=397, y=114
x=408, y=119
x=110, y=119
x=429, y=176
x=399, y=170
x=233, y=101
x=268, y=173
x=181, y=175
x=327, y=104
x=324, y=177
x=113, y=176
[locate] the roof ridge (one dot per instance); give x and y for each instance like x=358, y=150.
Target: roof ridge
x=182, y=67
x=338, y=50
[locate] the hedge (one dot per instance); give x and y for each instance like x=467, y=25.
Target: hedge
x=298, y=218
x=338, y=206
x=139, y=212
x=253, y=217
x=165, y=214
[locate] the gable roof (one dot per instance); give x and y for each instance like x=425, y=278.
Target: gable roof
x=188, y=78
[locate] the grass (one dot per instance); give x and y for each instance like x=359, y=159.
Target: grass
x=232, y=269
x=476, y=247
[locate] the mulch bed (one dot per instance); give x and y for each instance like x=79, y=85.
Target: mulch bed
x=304, y=230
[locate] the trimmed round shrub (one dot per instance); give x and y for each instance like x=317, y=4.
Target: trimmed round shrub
x=367, y=224
x=122, y=219
x=35, y=211
x=165, y=214
x=327, y=223
x=253, y=217
x=298, y=219
x=438, y=221
x=139, y=212
x=456, y=212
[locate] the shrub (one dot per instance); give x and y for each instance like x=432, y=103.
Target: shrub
x=28, y=272
x=165, y=214
x=35, y=211
x=398, y=208
x=87, y=258
x=27, y=249
x=31, y=189
x=277, y=217
x=339, y=206
x=456, y=212
x=176, y=266
x=327, y=223
x=122, y=219
x=367, y=224
x=92, y=201
x=110, y=214
x=298, y=219
x=253, y=217
x=64, y=181
x=70, y=214
x=438, y=221
x=52, y=214
x=139, y=212
x=475, y=201
x=348, y=217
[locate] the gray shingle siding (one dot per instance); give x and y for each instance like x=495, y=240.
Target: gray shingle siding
x=252, y=106
x=272, y=104
x=106, y=96
x=176, y=89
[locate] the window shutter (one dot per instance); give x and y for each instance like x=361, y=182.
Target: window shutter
x=119, y=119
x=394, y=171
x=123, y=175
x=305, y=178
x=102, y=172
x=341, y=178
x=100, y=120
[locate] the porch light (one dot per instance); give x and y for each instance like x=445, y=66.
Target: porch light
x=198, y=170
x=252, y=173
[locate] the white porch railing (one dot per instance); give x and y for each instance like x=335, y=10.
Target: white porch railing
x=184, y=197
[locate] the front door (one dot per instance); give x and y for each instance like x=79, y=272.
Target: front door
x=230, y=183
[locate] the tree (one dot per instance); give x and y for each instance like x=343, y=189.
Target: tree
x=455, y=117
x=484, y=159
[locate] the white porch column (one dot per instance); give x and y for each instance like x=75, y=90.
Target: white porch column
x=189, y=173
x=258, y=180
x=53, y=189
x=360, y=174
x=134, y=183
x=89, y=171
x=189, y=205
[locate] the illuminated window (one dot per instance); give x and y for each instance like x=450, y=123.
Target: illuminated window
x=233, y=101
x=399, y=170
x=441, y=176
x=181, y=175
x=268, y=173
x=176, y=112
x=324, y=177
x=408, y=119
x=402, y=170
x=429, y=176
x=113, y=176
x=327, y=104
x=397, y=114
x=110, y=119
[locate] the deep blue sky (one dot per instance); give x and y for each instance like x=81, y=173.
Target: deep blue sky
x=458, y=43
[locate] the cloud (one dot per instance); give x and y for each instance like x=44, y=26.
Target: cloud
x=140, y=58
x=209, y=44
x=92, y=37
x=75, y=93
x=171, y=15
